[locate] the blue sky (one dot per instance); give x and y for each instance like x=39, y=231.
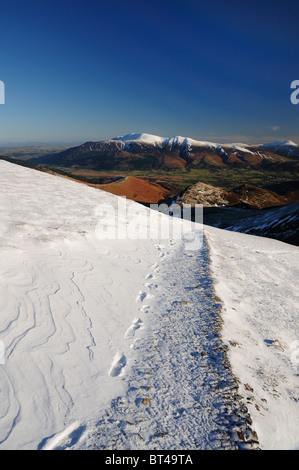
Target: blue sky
x=89, y=70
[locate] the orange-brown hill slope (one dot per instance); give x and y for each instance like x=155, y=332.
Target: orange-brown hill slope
x=135, y=189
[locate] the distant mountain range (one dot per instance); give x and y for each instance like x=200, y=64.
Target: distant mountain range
x=145, y=152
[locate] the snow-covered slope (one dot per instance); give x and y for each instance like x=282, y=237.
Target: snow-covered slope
x=66, y=302
x=256, y=279
x=86, y=324
x=280, y=223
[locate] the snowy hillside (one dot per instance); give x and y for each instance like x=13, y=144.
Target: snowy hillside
x=280, y=223
x=256, y=279
x=122, y=343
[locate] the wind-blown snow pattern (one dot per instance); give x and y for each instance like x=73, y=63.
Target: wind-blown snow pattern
x=66, y=301
x=137, y=343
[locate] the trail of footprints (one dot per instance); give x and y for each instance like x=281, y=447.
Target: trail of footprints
x=120, y=360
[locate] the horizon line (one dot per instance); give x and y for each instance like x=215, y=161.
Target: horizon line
x=246, y=140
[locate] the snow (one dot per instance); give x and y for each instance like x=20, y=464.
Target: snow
x=67, y=299
x=176, y=140
x=180, y=392
x=189, y=142
x=280, y=143
x=241, y=148
x=122, y=343
x=173, y=141
x=141, y=137
x=256, y=279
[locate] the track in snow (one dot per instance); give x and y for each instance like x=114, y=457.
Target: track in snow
x=181, y=393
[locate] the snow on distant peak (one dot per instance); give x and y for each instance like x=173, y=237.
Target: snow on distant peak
x=163, y=141
x=157, y=140
x=281, y=143
x=241, y=147
x=186, y=142
x=141, y=137
x=173, y=141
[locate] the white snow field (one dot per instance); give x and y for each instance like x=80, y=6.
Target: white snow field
x=257, y=280
x=138, y=343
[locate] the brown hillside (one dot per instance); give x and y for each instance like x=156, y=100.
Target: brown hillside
x=207, y=195
x=136, y=189
x=259, y=198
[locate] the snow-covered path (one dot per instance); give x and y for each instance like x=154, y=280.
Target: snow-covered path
x=180, y=391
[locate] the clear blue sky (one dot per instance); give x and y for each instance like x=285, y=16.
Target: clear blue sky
x=78, y=70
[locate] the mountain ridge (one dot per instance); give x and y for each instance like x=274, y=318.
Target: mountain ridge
x=146, y=151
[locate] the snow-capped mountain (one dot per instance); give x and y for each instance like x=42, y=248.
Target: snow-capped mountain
x=159, y=141
x=141, y=137
x=285, y=148
x=147, y=151
x=186, y=143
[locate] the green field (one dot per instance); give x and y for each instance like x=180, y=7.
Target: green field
x=177, y=180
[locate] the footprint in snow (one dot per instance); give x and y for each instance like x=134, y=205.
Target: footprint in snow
x=118, y=364
x=149, y=285
x=159, y=247
x=145, y=308
x=130, y=333
x=141, y=296
x=64, y=439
